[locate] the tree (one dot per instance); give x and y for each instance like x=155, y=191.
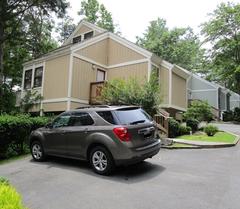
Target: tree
x=65, y=28
x=105, y=19
x=97, y=14
x=12, y=25
x=199, y=110
x=179, y=45
x=133, y=92
x=222, y=31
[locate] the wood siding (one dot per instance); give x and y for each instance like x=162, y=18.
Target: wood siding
x=56, y=78
x=97, y=52
x=179, y=91
x=55, y=106
x=164, y=84
x=118, y=53
x=138, y=71
x=83, y=75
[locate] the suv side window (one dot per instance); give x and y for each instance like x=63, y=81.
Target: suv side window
x=81, y=119
x=107, y=116
x=61, y=121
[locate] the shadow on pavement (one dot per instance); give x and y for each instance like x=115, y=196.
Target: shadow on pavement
x=125, y=174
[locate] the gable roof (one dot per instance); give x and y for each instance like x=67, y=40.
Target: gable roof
x=88, y=24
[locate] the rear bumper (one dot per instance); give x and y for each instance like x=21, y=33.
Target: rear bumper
x=140, y=154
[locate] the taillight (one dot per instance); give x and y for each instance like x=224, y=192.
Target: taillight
x=122, y=133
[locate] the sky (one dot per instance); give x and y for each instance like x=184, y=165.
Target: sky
x=133, y=16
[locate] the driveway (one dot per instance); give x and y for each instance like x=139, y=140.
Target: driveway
x=234, y=128
x=174, y=179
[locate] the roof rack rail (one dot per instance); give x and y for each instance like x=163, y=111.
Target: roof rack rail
x=92, y=106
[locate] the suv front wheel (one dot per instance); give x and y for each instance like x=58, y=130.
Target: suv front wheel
x=101, y=160
x=37, y=151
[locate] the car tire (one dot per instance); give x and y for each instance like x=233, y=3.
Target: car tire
x=101, y=160
x=37, y=151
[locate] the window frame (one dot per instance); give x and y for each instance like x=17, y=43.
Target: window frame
x=30, y=78
x=78, y=38
x=101, y=70
x=34, y=77
x=89, y=32
x=75, y=114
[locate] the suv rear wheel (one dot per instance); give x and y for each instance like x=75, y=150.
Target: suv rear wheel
x=37, y=151
x=101, y=160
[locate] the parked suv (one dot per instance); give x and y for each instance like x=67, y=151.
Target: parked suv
x=106, y=136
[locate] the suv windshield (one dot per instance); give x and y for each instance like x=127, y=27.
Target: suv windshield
x=132, y=116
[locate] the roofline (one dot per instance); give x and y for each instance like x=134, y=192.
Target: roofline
x=204, y=80
x=86, y=23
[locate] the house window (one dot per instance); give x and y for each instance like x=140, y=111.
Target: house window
x=28, y=79
x=38, y=77
x=100, y=75
x=88, y=35
x=77, y=39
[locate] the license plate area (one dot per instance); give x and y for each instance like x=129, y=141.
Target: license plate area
x=147, y=132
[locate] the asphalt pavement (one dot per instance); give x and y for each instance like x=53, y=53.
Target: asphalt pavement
x=174, y=179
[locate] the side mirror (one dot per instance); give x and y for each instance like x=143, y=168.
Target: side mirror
x=49, y=125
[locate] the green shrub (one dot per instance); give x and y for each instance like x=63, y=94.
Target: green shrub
x=211, y=130
x=9, y=198
x=3, y=180
x=14, y=133
x=133, y=92
x=236, y=114
x=174, y=128
x=199, y=110
x=184, y=130
x=193, y=124
x=228, y=116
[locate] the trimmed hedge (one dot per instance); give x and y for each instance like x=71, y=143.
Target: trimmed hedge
x=211, y=130
x=14, y=133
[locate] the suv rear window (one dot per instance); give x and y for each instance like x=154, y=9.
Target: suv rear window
x=132, y=116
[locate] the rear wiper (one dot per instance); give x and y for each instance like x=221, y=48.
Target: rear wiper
x=138, y=121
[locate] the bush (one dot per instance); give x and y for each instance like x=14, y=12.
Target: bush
x=193, y=124
x=200, y=111
x=3, y=180
x=9, y=198
x=236, y=114
x=184, y=130
x=174, y=128
x=211, y=130
x=228, y=116
x=132, y=92
x=14, y=133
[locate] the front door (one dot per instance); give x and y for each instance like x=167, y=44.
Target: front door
x=55, y=136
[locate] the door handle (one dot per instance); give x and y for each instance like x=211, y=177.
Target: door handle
x=85, y=130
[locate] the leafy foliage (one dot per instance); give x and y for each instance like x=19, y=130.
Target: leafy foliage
x=222, y=32
x=132, y=92
x=9, y=198
x=193, y=124
x=174, y=128
x=98, y=14
x=30, y=99
x=178, y=45
x=184, y=130
x=236, y=114
x=14, y=132
x=211, y=130
x=199, y=110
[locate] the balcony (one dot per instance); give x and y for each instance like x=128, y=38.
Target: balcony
x=95, y=92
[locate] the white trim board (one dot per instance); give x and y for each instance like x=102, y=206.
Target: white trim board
x=65, y=99
x=203, y=90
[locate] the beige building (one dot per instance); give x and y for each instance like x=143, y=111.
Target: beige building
x=68, y=76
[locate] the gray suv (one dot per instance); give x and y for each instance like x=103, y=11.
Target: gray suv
x=106, y=136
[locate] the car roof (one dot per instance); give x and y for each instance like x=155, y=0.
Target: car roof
x=101, y=108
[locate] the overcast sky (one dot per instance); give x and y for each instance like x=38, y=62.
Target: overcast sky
x=133, y=16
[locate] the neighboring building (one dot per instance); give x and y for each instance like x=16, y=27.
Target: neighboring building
x=220, y=98
x=90, y=56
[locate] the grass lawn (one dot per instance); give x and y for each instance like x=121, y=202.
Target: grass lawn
x=13, y=159
x=218, y=137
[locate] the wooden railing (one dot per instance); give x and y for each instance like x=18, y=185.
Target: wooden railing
x=95, y=92
x=162, y=120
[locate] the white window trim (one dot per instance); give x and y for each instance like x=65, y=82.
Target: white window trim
x=82, y=36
